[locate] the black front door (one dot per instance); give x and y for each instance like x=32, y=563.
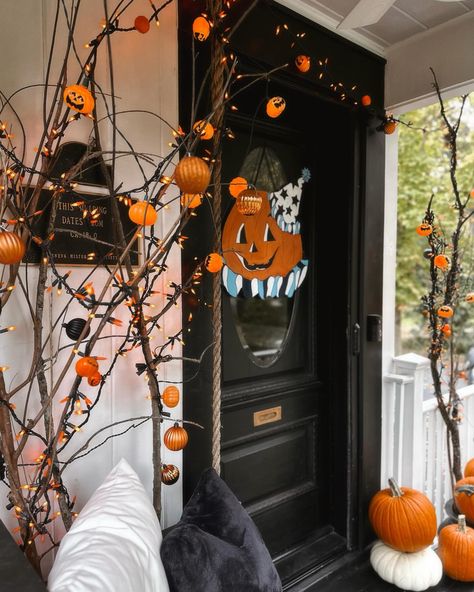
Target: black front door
x=294, y=349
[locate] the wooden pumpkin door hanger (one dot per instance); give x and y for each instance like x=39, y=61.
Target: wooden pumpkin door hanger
x=263, y=252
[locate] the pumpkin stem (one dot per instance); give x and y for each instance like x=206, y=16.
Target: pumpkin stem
x=467, y=489
x=394, y=488
x=461, y=523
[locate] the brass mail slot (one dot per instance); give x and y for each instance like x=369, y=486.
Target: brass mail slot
x=266, y=416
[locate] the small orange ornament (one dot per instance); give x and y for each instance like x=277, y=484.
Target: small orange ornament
x=275, y=107
x=170, y=396
x=192, y=175
x=12, y=248
x=472, y=193
x=389, y=127
x=175, y=438
x=201, y=28
x=441, y=261
x=142, y=24
x=237, y=185
x=469, y=297
x=190, y=200
x=87, y=366
x=445, y=311
x=204, y=128
x=79, y=98
x=94, y=379
x=303, y=63
x=142, y=213
x=366, y=100
x=169, y=474
x=424, y=229
x=214, y=262
x=446, y=330
x=249, y=201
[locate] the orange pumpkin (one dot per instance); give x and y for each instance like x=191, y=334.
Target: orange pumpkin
x=191, y=201
x=469, y=468
x=12, y=248
x=445, y=311
x=170, y=396
x=201, y=28
x=403, y=518
x=142, y=24
x=447, y=331
x=366, y=100
x=389, y=127
x=441, y=261
x=87, y=366
x=94, y=379
x=214, y=262
x=175, y=438
x=256, y=247
x=79, y=98
x=456, y=550
x=237, y=185
x=424, y=229
x=464, y=497
x=169, y=474
x=142, y=213
x=192, y=175
x=249, y=201
x=303, y=63
x=204, y=129
x=275, y=107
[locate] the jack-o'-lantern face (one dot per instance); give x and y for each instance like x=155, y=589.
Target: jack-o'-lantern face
x=303, y=63
x=256, y=248
x=79, y=98
x=275, y=107
x=201, y=28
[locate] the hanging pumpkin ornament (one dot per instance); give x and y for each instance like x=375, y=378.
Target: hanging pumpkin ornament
x=456, y=550
x=445, y=311
x=214, y=262
x=366, y=100
x=169, y=474
x=142, y=213
x=87, y=366
x=12, y=248
x=190, y=200
x=170, y=396
x=74, y=328
x=79, y=98
x=94, y=379
x=408, y=571
x=469, y=297
x=237, y=185
x=446, y=330
x=424, y=229
x=441, y=261
x=389, y=127
x=201, y=28
x=192, y=175
x=249, y=201
x=403, y=518
x=464, y=497
x=303, y=63
x=204, y=129
x=275, y=107
x=142, y=24
x=427, y=253
x=469, y=468
x=175, y=438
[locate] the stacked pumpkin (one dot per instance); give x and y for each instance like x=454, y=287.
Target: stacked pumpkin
x=404, y=520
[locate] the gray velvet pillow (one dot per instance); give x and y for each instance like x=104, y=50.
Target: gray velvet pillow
x=216, y=547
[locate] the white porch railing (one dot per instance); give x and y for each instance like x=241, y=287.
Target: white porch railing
x=414, y=434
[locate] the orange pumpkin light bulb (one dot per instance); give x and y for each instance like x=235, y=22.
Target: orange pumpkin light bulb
x=201, y=28
x=142, y=213
x=12, y=248
x=94, y=379
x=192, y=175
x=303, y=63
x=237, y=185
x=275, y=107
x=214, y=262
x=366, y=100
x=424, y=229
x=446, y=330
x=204, y=129
x=441, y=261
x=79, y=98
x=170, y=396
x=191, y=201
x=142, y=24
x=87, y=366
x=389, y=127
x=445, y=311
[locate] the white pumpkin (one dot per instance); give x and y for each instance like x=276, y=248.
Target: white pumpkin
x=409, y=571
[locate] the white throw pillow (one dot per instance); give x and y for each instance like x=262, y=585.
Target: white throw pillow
x=114, y=544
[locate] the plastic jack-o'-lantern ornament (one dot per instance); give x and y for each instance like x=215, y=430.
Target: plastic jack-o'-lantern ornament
x=366, y=100
x=446, y=330
x=12, y=248
x=142, y=213
x=424, y=229
x=175, y=438
x=469, y=297
x=263, y=252
x=237, y=185
x=201, y=28
x=389, y=127
x=275, y=107
x=169, y=474
x=79, y=98
x=94, y=379
x=192, y=175
x=303, y=63
x=87, y=366
x=170, y=396
x=441, y=261
x=214, y=262
x=142, y=24
x=445, y=311
x=204, y=129
x=249, y=201
x=190, y=200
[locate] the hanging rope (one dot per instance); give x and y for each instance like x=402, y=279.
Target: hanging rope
x=217, y=91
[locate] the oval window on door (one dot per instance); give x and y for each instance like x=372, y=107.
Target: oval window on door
x=263, y=324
